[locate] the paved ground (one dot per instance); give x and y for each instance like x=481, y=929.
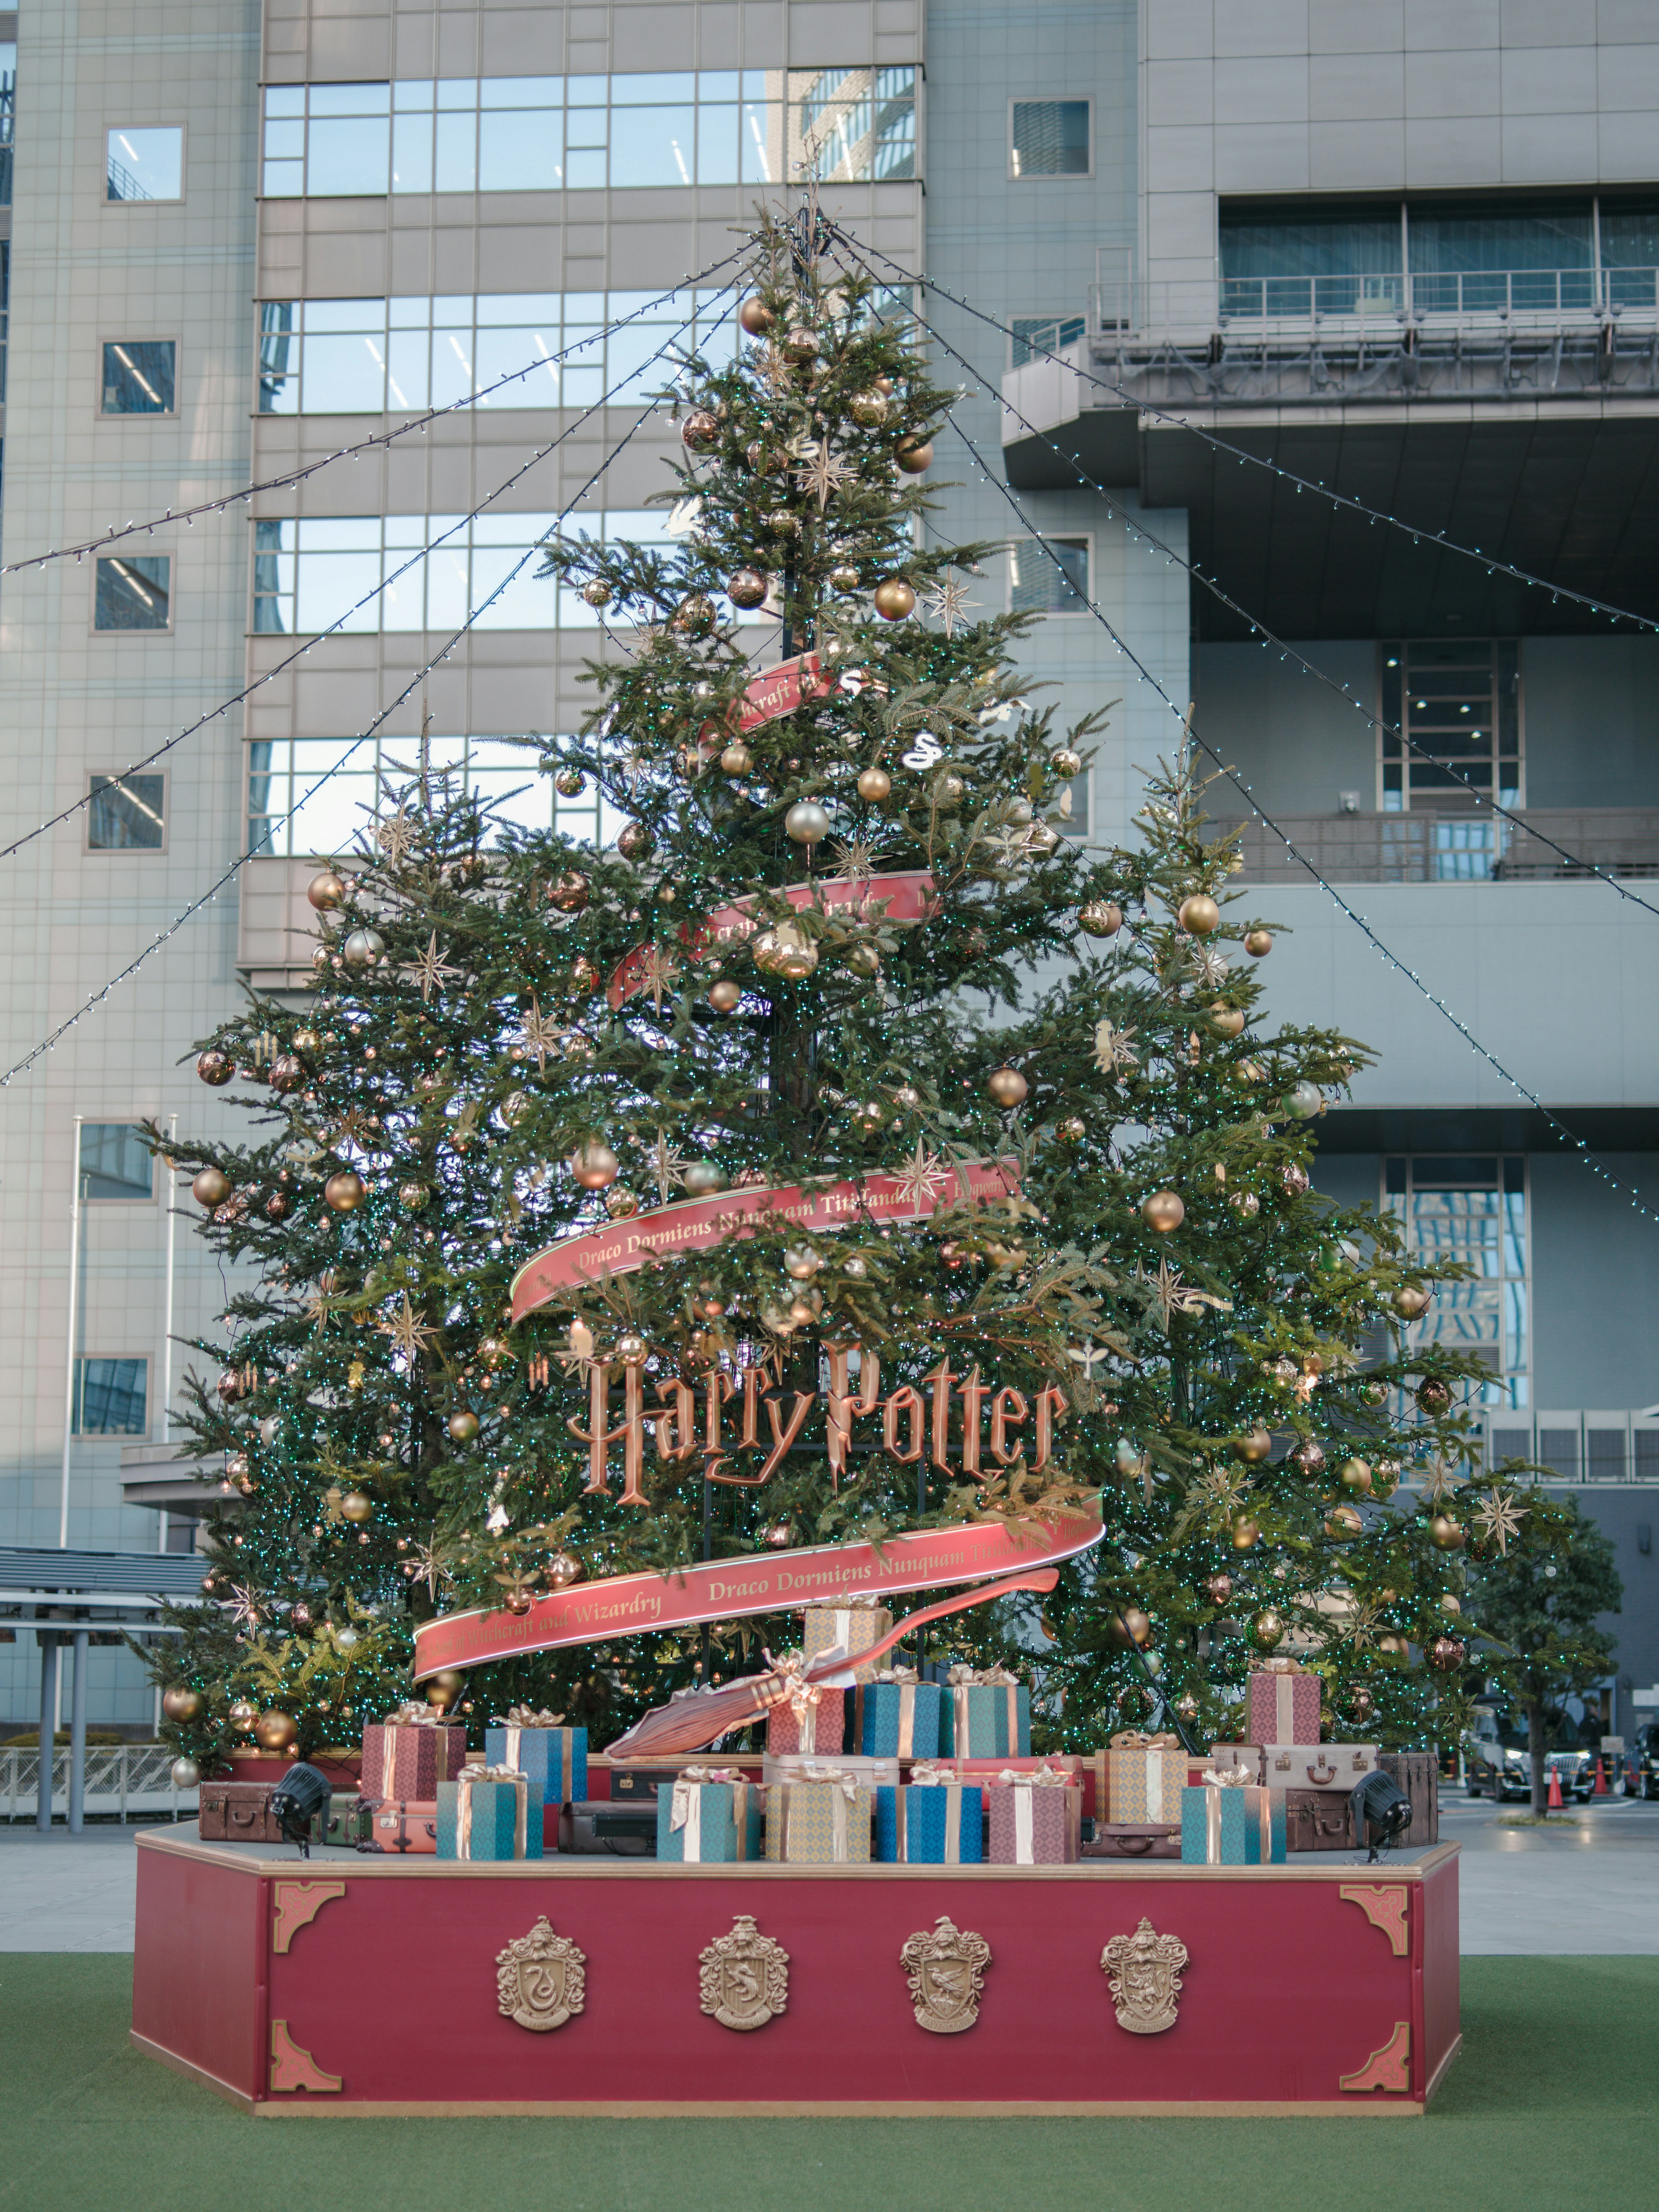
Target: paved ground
x=1588, y=1886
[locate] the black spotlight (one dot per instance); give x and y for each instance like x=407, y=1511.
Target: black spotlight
x=295, y=1801
x=1381, y=1812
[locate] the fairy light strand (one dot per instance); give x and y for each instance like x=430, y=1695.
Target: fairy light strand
x=77, y=805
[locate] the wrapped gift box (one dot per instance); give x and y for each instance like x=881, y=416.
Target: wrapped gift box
x=1145, y=1777
x=553, y=1756
x=489, y=1813
x=899, y=1716
x=1030, y=1822
x=848, y=1628
x=401, y=1828
x=1234, y=1827
x=819, y=1817
x=811, y=1726
x=1282, y=1704
x=938, y=1821
x=1316, y=1765
x=985, y=1714
x=409, y=1753
x=710, y=1813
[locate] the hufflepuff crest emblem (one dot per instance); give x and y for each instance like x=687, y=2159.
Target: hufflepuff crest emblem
x=1145, y=1972
x=542, y=1979
x=746, y=1977
x=947, y=1972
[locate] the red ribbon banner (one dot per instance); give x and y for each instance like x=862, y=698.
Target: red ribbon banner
x=727, y=1590
x=694, y=1225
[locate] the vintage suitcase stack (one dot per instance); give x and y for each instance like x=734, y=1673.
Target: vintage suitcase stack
x=1318, y=1820
x=1416, y=1773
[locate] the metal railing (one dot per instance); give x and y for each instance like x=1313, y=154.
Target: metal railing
x=1155, y=308
x=1587, y=1450
x=1428, y=845
x=123, y=1779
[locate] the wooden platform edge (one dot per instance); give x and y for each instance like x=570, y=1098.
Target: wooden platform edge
x=191, y=2072
x=1440, y=2071
x=332, y=2108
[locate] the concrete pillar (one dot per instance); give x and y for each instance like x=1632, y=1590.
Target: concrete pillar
x=48, y=1643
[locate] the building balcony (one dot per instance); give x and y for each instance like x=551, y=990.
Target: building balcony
x=1435, y=846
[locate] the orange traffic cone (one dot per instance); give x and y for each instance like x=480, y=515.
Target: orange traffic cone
x=1555, y=1789
x=1601, y=1790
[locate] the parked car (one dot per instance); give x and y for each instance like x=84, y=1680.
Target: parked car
x=1642, y=1761
x=1498, y=1762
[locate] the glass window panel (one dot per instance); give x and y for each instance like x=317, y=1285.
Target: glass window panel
x=634, y=351
x=139, y=377
x=336, y=533
x=543, y=92
x=1052, y=579
x=760, y=142
x=344, y=375
x=110, y=1397
x=283, y=180
x=407, y=380
x=349, y=157
x=144, y=163
x=522, y=151
x=131, y=592
x=411, y=312
x=524, y=797
x=581, y=386
x=344, y=315
x=114, y=1160
x=719, y=84
x=1501, y=235
x=586, y=127
x=586, y=91
x=584, y=172
x=451, y=367
x=455, y=169
x=501, y=353
x=412, y=94
x=285, y=100
x=449, y=599
x=285, y=140
x=651, y=88
x=329, y=585
x=349, y=100
x=327, y=818
x=524, y=603
x=126, y=814
x=1050, y=137
x=457, y=92
x=411, y=154
x=719, y=157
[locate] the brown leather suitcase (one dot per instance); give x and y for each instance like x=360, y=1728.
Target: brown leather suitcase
x=1134, y=1840
x=1418, y=1773
x=599, y=1828
x=1317, y=1820
x=402, y=1826
x=638, y=1783
x=238, y=1812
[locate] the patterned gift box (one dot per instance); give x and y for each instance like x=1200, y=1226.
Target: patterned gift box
x=933, y=1820
x=1234, y=1825
x=1145, y=1776
x=899, y=1715
x=409, y=1753
x=1282, y=1704
x=1316, y=1765
x=822, y=1817
x=1034, y=1821
x=985, y=1714
x=710, y=1813
x=848, y=1628
x=553, y=1756
x=489, y=1813
x=401, y=1828
x=805, y=1720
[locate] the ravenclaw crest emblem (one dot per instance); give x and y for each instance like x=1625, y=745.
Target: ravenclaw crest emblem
x=746, y=1977
x=1145, y=1972
x=542, y=1979
x=947, y=1972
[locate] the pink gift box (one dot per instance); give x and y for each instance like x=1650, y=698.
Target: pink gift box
x=407, y=1760
x=1282, y=1707
x=1033, y=1823
x=817, y=1730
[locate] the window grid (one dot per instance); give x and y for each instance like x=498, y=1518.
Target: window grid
x=584, y=133
x=1474, y=1208
x=144, y=162
x=110, y=1397
x=132, y=592
x=127, y=813
x=1048, y=138
x=140, y=377
x=1037, y=587
x=116, y=1163
x=1460, y=704
x=8, y=115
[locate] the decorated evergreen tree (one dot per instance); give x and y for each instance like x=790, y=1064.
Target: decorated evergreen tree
x=809, y=963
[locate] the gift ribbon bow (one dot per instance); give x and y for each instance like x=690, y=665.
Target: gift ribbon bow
x=900, y=1675
x=526, y=1716
x=467, y=1779
x=925, y=1775
x=963, y=1677
x=414, y=1715
x=1132, y=1739
x=1281, y=1667
x=811, y=1770
x=1229, y=1778
x=1044, y=1776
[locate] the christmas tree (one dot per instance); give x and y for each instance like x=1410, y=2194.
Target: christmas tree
x=808, y=963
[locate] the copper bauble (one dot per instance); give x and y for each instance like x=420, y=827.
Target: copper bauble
x=211, y=1186
x=1219, y=1588
x=242, y=1715
x=621, y=1203
x=215, y=1068
x=1162, y=1212
x=914, y=455
x=1309, y=1456
x=518, y=1601
x=570, y=891
x=413, y=1197
x=737, y=759
x=755, y=316
x=277, y=1208
x=561, y=1570
x=594, y=1164
x=1254, y=1444
x=694, y=617
x=874, y=784
x=357, y=1505
x=179, y=1704
x=1199, y=914
x=1072, y=1130
x=1007, y=1086
x=599, y=593
x=725, y=996
x=1258, y=943
x=894, y=598
x=869, y=407
x=1411, y=1299
x=1393, y=1648
x=584, y=976
x=464, y=1427
x=1434, y=1397
x=1101, y=918
x=1246, y=1534
x=276, y=1731
x=746, y=588
x=232, y=1385
x=1447, y=1652
x=636, y=842
x=1128, y=1625
x=701, y=431
x=326, y=892
x=632, y=1348
x=1343, y=1524
x=1447, y=1534
x=1361, y=1703
x=1268, y=1629
x=1293, y=1179
x=345, y=1191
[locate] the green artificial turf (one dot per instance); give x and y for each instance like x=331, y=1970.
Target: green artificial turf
x=1559, y=2070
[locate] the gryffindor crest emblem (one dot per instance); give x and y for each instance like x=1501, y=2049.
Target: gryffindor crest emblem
x=746, y=1977
x=1145, y=1972
x=542, y=1979
x=947, y=1972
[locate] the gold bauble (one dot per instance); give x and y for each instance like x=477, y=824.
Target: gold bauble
x=737, y=760
x=242, y=1717
x=346, y=1191
x=1411, y=1299
x=725, y=997
x=1447, y=1534
x=1268, y=1629
x=914, y=455
x=874, y=784
x=1258, y=943
x=694, y=617
x=1434, y=1397
x=632, y=1348
x=1007, y=1086
x=1392, y=1647
x=275, y=1731
x=1101, y=918
x=1230, y=1020
x=1343, y=1523
x=598, y=592
x=621, y=1203
x=755, y=316
x=1254, y=1444
x=561, y=1570
x=1355, y=1474
x=1246, y=1534
x=211, y=1186
x=1199, y=914
x=179, y=1704
x=326, y=892
x=869, y=407
x=800, y=345
x=357, y=1505
x=463, y=1426
x=1072, y=1130
x=865, y=960
x=1450, y=1604
x=1162, y=1212
x=594, y=1164
x=746, y=588
x=570, y=891
x=894, y=598
x=1128, y=1625
x=844, y=577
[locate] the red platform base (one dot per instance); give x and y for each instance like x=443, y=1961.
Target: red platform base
x=370, y=1986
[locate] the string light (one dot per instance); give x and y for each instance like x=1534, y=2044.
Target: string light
x=48, y=1043
x=1287, y=652
x=68, y=813
x=113, y=535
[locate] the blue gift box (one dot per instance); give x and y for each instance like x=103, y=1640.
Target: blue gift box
x=555, y=1759
x=982, y=1719
x=1232, y=1826
x=900, y=1720
x=700, y=1822
x=485, y=1816
x=935, y=1824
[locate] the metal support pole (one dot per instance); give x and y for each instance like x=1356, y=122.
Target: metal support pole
x=48, y=1643
x=77, y=1773
x=72, y=1332
x=169, y=1192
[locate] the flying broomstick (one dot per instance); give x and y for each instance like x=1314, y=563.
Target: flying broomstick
x=689, y=1723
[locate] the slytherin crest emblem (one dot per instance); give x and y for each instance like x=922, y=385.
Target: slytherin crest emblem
x=946, y=1973
x=746, y=1977
x=542, y=1979
x=1145, y=1972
